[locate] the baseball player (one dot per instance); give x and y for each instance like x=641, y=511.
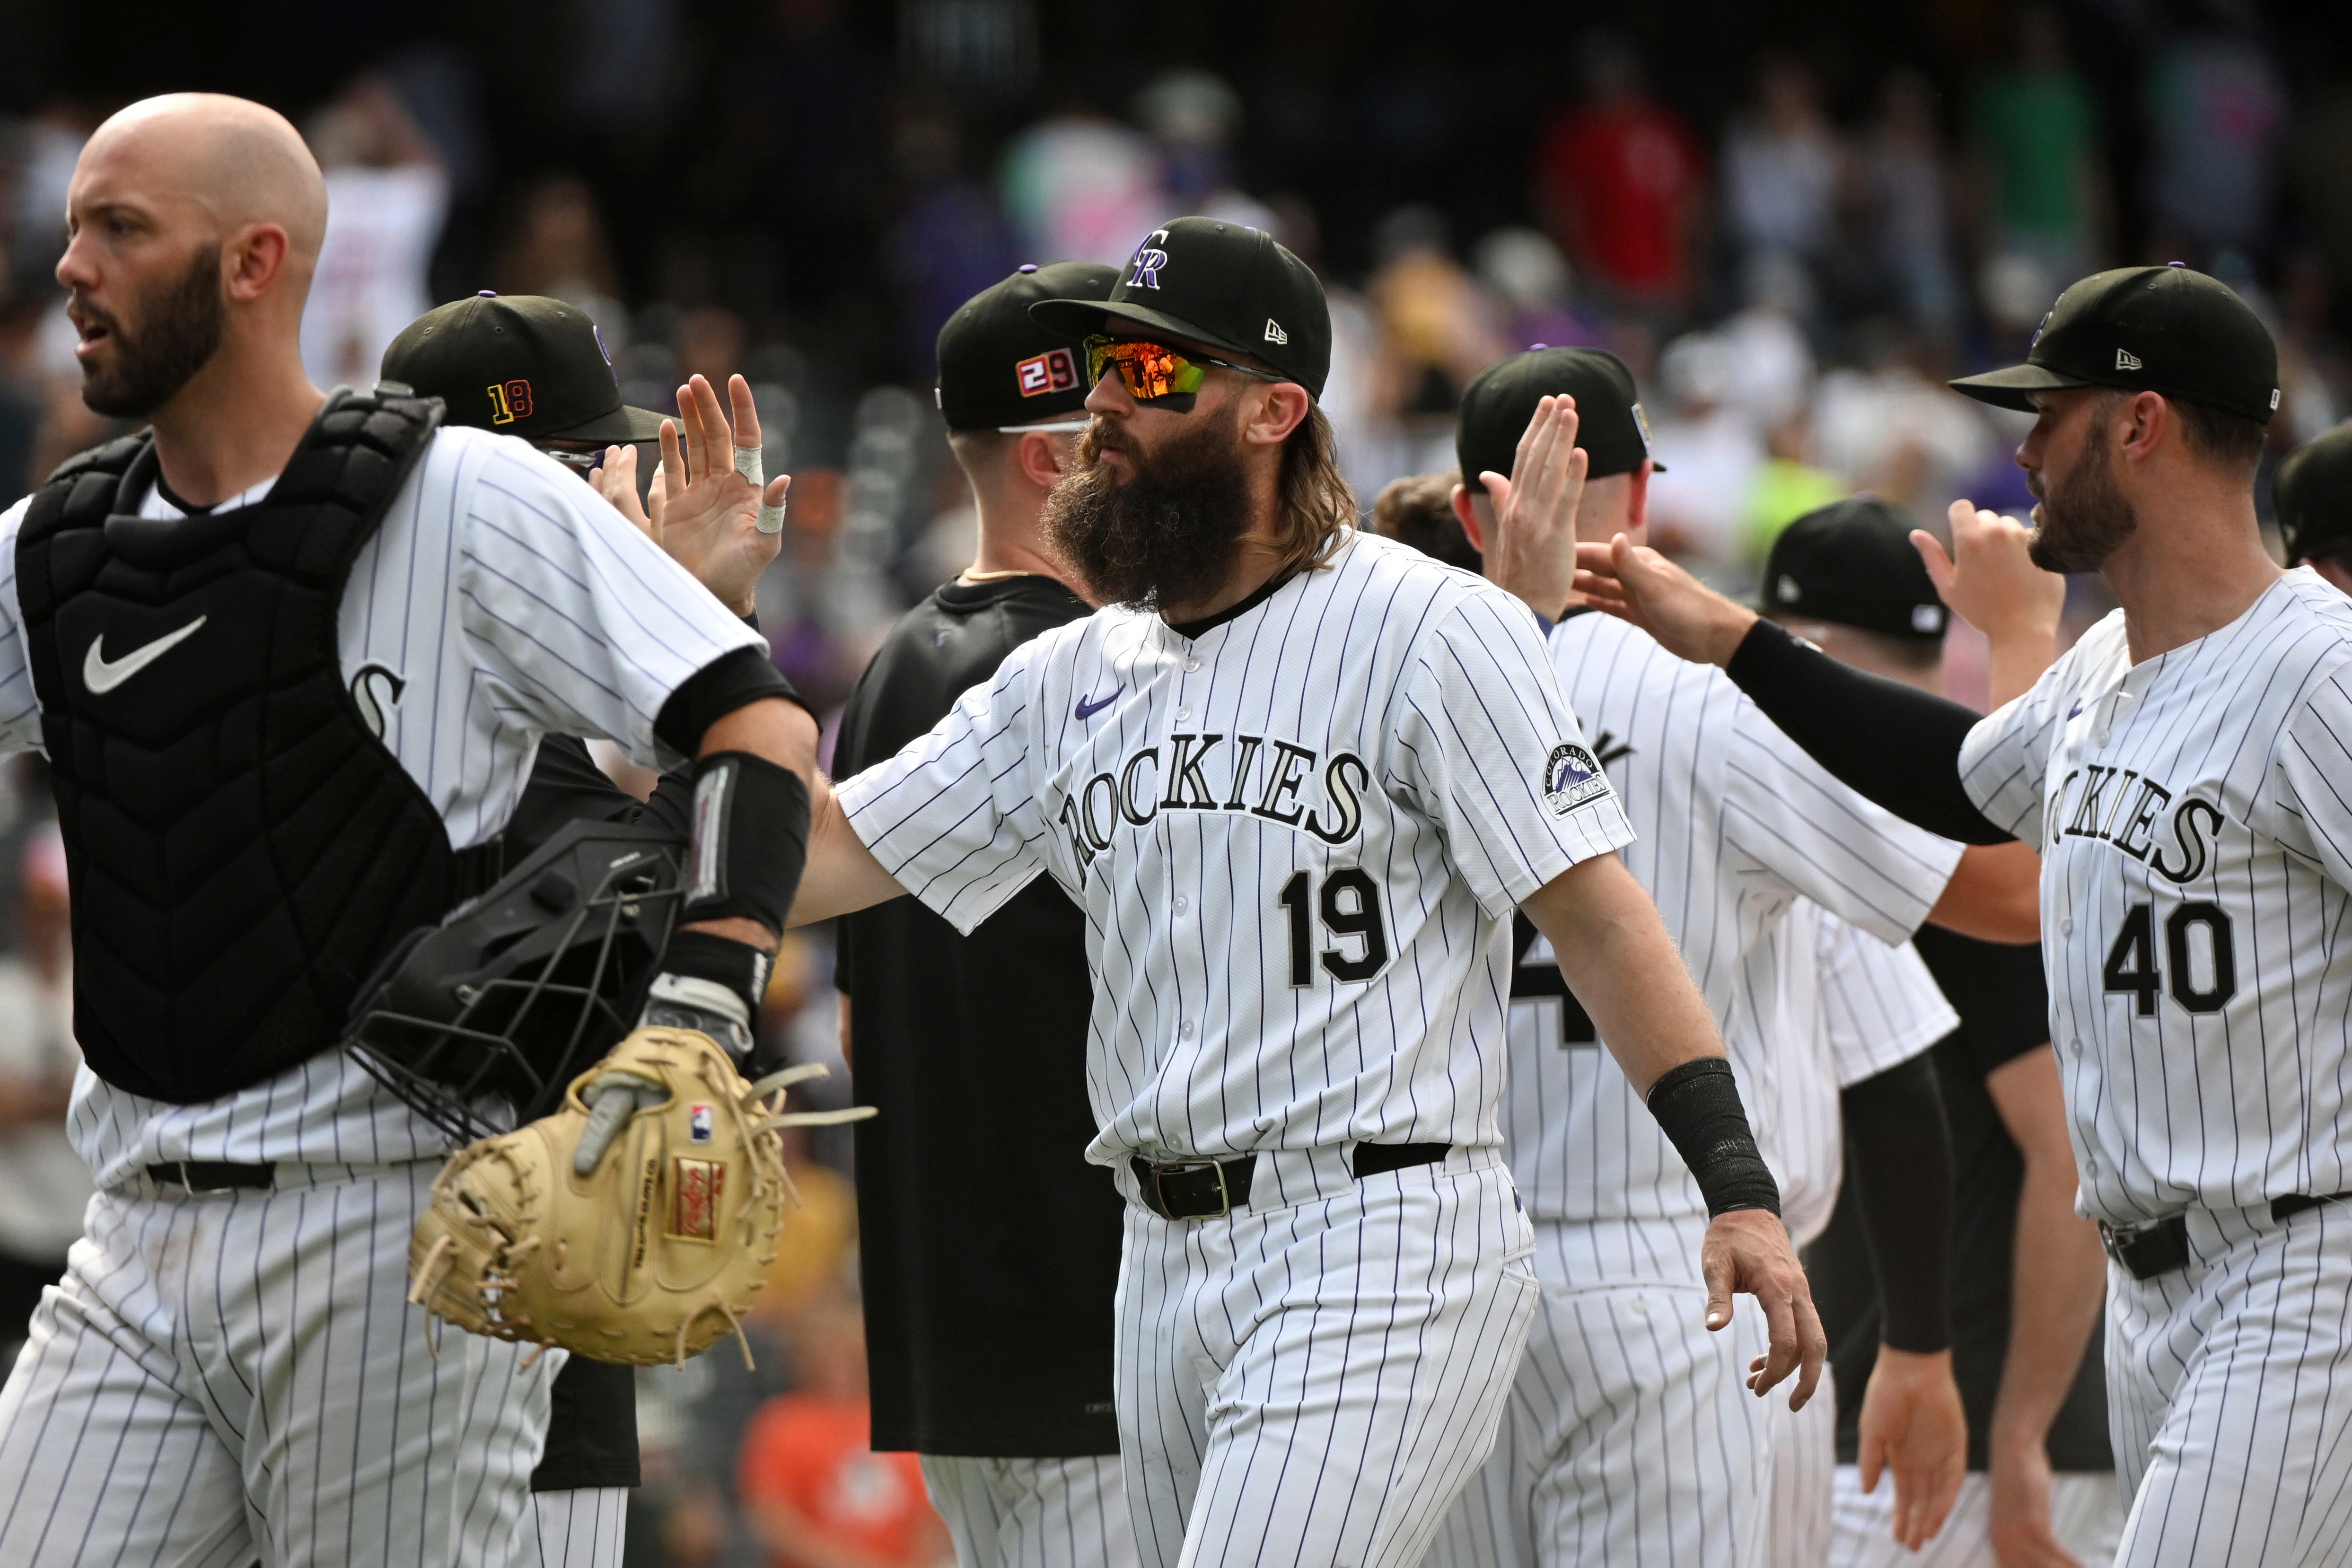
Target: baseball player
x=536, y=368
x=2180, y=770
x=290, y=655
x=988, y=1303
x=2311, y=489
x=2027, y=1275
x=1298, y=779
x=1627, y=1438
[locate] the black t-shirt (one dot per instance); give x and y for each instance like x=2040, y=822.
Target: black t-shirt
x=2004, y=1008
x=990, y=1246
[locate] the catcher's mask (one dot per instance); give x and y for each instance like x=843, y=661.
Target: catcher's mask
x=517, y=991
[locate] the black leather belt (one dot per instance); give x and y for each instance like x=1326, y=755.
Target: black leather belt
x=213, y=1176
x=2160, y=1246
x=1209, y=1189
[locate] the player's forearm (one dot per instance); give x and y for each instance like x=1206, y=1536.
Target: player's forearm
x=2057, y=1285
x=1899, y=1158
x=1994, y=895
x=781, y=732
x=842, y=876
x=1890, y=743
x=1617, y=958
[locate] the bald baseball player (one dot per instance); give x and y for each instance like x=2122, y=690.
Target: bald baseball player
x=1626, y=1441
x=1298, y=779
x=2180, y=770
x=2312, y=490
x=987, y=1321
x=291, y=654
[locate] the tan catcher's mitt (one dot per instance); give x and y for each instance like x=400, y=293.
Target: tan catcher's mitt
x=636, y=1224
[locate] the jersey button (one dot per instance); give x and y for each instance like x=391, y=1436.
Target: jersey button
x=1192, y=667
x=1184, y=715
x=1184, y=1030
x=1183, y=904
x=2067, y=926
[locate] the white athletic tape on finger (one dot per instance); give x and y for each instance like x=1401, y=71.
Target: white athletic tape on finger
x=747, y=464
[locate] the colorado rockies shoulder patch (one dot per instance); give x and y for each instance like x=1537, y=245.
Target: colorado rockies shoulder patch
x=1572, y=777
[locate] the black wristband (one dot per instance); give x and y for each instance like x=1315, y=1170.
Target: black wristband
x=1697, y=1104
x=750, y=822
x=1899, y=1160
x=1889, y=743
x=707, y=955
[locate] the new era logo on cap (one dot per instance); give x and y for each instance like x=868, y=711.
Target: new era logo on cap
x=1274, y=332
x=2126, y=361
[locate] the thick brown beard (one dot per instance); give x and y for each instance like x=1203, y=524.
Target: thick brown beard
x=2084, y=518
x=179, y=322
x=1167, y=534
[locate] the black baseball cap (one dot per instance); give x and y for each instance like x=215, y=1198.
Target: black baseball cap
x=520, y=364
x=2312, y=492
x=2165, y=330
x=1502, y=397
x=1000, y=366
x=1852, y=563
x=1222, y=285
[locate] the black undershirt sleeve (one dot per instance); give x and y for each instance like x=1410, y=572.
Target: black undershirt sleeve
x=1899, y=1158
x=1890, y=743
x=733, y=679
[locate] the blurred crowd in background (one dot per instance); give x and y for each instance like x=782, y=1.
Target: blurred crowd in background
x=1793, y=236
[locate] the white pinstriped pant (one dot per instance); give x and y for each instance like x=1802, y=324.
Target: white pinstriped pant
x=1630, y=1439
x=2230, y=1395
x=1033, y=1512
x=1309, y=1383
x=234, y=1377
x=585, y=1527
x=2086, y=1512
x=1801, y=1504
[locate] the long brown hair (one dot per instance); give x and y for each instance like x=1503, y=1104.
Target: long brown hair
x=1316, y=505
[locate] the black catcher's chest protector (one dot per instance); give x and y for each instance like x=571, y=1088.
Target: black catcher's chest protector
x=243, y=847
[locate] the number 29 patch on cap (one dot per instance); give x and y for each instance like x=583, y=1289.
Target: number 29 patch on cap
x=1572, y=777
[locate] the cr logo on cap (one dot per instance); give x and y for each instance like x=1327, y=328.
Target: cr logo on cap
x=1055, y=371
x=1148, y=260
x=509, y=401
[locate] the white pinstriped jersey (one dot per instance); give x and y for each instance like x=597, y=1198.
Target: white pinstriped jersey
x=1735, y=823
x=1850, y=1008
x=2194, y=814
x=1298, y=834
x=500, y=600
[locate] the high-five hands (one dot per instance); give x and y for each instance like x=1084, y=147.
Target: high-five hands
x=1532, y=550
x=701, y=510
x=1990, y=580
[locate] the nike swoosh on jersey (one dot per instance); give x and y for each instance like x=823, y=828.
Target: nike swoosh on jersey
x=1089, y=709
x=101, y=674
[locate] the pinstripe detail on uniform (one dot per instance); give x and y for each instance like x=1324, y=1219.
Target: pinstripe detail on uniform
x=2207, y=794
x=1032, y=1513
x=210, y=1364
x=583, y=1528
x=1382, y=731
x=1312, y=1384
x=1803, y=1463
x=1630, y=1440
x=2086, y=1515
x=1734, y=824
x=512, y=602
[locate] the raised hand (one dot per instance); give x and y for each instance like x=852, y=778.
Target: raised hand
x=705, y=513
x=1532, y=552
x=1635, y=583
x=1990, y=582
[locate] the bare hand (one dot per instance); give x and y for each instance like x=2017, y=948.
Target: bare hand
x=1748, y=1250
x=1532, y=552
x=616, y=481
x=1990, y=580
x=2019, y=1484
x=704, y=513
x=1636, y=583
x=1912, y=1422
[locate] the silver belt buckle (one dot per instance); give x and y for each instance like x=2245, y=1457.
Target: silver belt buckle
x=1180, y=1167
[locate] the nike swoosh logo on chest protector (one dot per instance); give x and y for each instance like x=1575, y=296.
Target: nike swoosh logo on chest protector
x=101, y=674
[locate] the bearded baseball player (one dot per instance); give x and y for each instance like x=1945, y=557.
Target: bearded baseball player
x=2180, y=770
x=1298, y=779
x=988, y=1323
x=1628, y=1439
x=290, y=655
